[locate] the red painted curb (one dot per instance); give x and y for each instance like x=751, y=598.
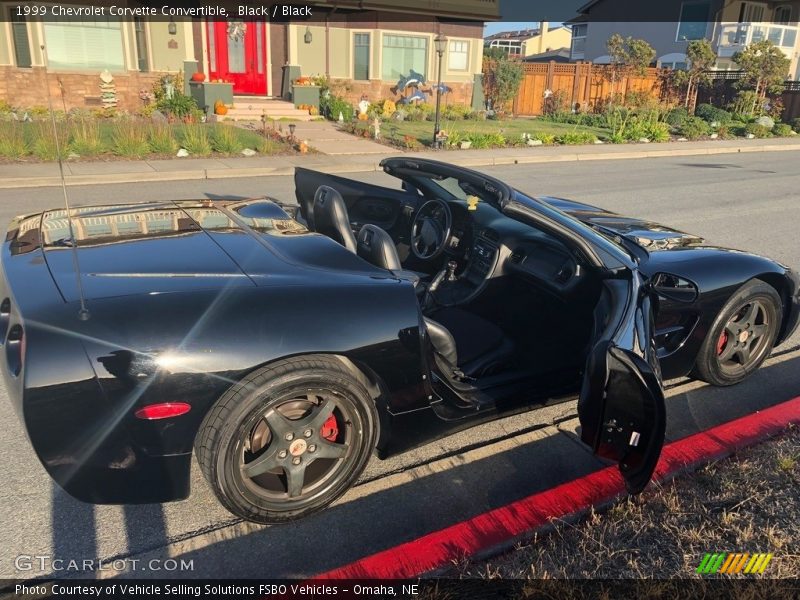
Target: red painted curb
x=499, y=525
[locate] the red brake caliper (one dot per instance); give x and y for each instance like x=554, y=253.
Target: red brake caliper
x=722, y=342
x=330, y=429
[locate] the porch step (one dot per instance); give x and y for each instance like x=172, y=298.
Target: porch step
x=249, y=108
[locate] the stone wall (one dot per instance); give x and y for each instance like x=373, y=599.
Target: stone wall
x=25, y=88
x=376, y=90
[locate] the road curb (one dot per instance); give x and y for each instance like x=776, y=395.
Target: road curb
x=368, y=167
x=500, y=527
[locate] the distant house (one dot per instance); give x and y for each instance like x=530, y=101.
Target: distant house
x=527, y=42
x=730, y=26
x=560, y=55
x=368, y=45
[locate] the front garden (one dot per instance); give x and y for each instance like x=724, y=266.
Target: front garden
x=169, y=124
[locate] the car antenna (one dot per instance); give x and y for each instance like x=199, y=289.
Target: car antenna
x=83, y=313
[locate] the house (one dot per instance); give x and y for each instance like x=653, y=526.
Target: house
x=527, y=42
x=559, y=55
x=365, y=45
x=669, y=25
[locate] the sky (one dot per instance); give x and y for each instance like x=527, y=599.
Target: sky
x=492, y=28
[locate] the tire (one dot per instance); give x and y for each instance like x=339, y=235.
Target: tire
x=287, y=440
x=731, y=351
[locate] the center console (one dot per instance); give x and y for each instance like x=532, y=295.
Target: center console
x=483, y=257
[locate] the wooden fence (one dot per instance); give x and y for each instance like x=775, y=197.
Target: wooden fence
x=581, y=86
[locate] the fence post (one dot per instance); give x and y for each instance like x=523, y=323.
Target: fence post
x=550, y=72
x=575, y=85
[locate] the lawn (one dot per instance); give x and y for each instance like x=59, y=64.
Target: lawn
x=748, y=503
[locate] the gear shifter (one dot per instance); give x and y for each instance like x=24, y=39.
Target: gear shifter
x=451, y=270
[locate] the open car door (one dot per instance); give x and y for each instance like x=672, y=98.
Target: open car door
x=366, y=203
x=621, y=406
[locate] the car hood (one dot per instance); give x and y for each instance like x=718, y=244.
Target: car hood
x=651, y=236
x=180, y=246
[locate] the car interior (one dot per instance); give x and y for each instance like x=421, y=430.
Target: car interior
x=509, y=310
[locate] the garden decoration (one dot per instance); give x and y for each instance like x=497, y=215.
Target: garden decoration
x=236, y=30
x=408, y=88
x=108, y=90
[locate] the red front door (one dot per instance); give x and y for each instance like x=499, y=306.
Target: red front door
x=237, y=53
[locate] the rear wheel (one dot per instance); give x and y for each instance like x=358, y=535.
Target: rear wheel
x=742, y=336
x=287, y=440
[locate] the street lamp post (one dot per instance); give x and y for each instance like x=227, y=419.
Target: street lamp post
x=440, y=43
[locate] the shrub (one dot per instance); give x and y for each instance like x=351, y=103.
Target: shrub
x=694, y=127
x=575, y=138
x=657, y=131
x=331, y=106
x=43, y=143
x=796, y=124
x=5, y=107
x=225, y=140
x=161, y=139
x=726, y=132
x=179, y=105
x=86, y=139
x=759, y=131
x=195, y=139
x=129, y=139
x=782, y=130
x=547, y=139
x=456, y=112
x=12, y=140
x=711, y=114
x=676, y=117
x=410, y=142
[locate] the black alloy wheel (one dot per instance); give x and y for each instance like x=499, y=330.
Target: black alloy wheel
x=743, y=335
x=288, y=440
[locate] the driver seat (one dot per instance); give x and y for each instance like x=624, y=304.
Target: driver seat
x=467, y=346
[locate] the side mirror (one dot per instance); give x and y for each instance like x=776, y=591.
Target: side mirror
x=674, y=288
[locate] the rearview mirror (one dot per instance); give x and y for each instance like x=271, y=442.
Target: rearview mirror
x=674, y=288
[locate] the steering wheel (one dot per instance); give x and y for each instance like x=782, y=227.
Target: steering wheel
x=431, y=229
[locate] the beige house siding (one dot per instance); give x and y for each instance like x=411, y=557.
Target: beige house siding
x=162, y=57
x=6, y=50
x=551, y=39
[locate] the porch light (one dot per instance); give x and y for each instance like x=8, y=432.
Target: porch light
x=440, y=43
x=308, y=37
x=172, y=27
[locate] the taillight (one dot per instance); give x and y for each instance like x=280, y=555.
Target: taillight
x=165, y=410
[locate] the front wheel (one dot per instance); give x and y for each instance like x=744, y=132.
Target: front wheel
x=287, y=440
x=742, y=336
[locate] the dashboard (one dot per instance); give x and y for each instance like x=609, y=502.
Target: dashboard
x=489, y=244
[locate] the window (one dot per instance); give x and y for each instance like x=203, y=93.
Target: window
x=783, y=14
x=361, y=56
x=675, y=60
x=694, y=21
x=84, y=44
x=22, y=46
x=578, y=41
x=458, y=55
x=403, y=54
x=751, y=13
x=141, y=44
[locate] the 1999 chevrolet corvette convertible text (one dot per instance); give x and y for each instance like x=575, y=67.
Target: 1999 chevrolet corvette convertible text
x=282, y=347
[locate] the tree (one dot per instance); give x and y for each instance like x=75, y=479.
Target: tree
x=701, y=58
x=629, y=56
x=765, y=68
x=501, y=80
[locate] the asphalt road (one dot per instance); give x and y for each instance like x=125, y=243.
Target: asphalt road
x=744, y=201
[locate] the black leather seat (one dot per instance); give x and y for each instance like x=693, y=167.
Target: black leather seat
x=331, y=218
x=377, y=247
x=468, y=345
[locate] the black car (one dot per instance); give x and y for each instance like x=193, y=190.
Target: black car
x=283, y=348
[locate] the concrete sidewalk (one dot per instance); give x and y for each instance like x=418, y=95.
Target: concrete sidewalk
x=26, y=175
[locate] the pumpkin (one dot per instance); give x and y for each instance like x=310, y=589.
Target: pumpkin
x=220, y=108
x=198, y=76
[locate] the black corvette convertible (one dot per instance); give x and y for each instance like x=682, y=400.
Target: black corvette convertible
x=282, y=348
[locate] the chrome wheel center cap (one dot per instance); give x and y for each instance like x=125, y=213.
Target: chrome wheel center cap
x=298, y=447
x=743, y=336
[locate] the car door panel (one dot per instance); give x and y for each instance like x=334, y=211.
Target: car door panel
x=366, y=203
x=621, y=406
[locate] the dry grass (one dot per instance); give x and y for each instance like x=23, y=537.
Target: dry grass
x=748, y=503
